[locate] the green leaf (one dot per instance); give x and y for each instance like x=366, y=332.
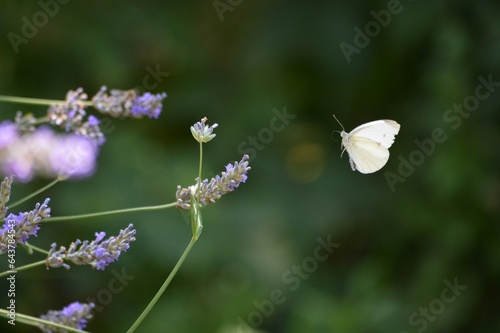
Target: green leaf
x=196, y=223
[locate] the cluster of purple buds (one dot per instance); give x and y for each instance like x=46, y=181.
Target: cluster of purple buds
x=71, y=117
x=97, y=253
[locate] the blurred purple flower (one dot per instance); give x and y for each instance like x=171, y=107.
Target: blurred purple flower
x=46, y=153
x=75, y=315
x=8, y=133
x=75, y=157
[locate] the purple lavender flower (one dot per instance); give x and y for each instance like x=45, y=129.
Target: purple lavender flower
x=97, y=253
x=18, y=228
x=75, y=315
x=148, y=105
x=127, y=103
x=212, y=190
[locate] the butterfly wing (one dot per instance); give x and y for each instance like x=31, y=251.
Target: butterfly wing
x=366, y=155
x=380, y=131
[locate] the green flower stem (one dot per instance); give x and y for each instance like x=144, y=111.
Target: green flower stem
x=111, y=212
x=34, y=321
x=46, y=187
x=197, y=226
x=201, y=163
x=163, y=287
x=26, y=100
x=21, y=268
x=33, y=247
x=39, y=121
x=196, y=220
x=37, y=101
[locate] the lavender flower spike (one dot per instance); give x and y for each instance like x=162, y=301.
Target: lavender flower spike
x=96, y=253
x=127, y=103
x=18, y=228
x=212, y=190
x=202, y=132
x=5, y=195
x=74, y=315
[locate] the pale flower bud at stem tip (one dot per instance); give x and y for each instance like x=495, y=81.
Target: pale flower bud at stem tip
x=203, y=133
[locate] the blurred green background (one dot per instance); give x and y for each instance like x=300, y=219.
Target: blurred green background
x=235, y=65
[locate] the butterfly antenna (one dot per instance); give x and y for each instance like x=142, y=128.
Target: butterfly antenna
x=339, y=123
x=343, y=150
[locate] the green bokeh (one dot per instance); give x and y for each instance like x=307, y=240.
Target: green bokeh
x=396, y=247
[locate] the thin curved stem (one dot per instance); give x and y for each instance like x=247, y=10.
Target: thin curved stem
x=35, y=248
x=27, y=100
x=21, y=268
x=36, y=101
x=201, y=163
x=160, y=292
x=46, y=187
x=196, y=233
x=111, y=212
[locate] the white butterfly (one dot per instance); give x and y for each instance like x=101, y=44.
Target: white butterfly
x=368, y=144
